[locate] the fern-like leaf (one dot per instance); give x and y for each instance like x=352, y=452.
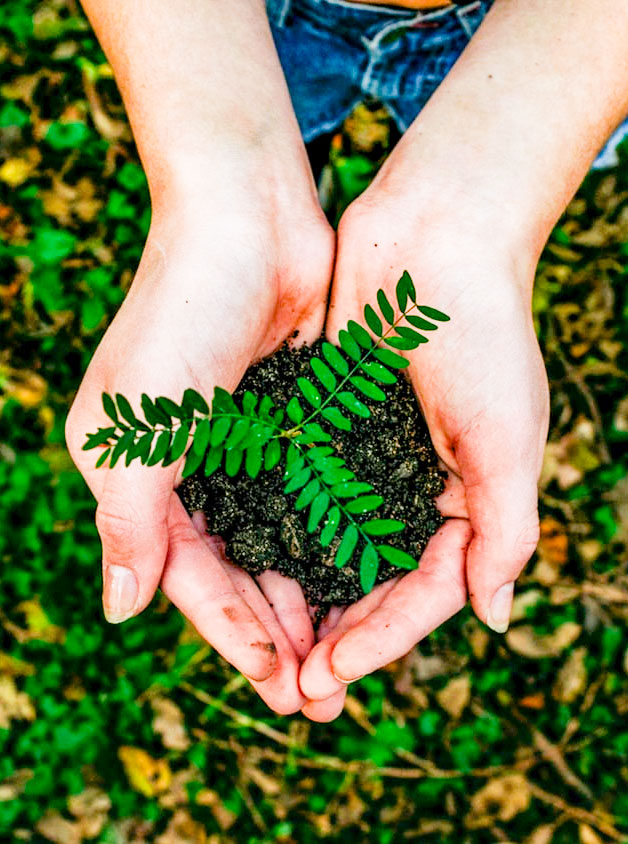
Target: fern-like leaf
x=335, y=359
x=369, y=565
x=347, y=545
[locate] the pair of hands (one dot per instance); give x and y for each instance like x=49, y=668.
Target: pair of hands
x=218, y=288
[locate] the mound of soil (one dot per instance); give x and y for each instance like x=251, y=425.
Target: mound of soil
x=391, y=450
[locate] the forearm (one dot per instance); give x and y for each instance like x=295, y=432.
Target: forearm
x=203, y=88
x=513, y=129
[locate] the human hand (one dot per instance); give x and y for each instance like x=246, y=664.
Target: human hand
x=219, y=285
x=482, y=387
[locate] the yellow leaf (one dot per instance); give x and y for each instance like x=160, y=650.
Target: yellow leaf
x=38, y=624
x=147, y=775
x=14, y=171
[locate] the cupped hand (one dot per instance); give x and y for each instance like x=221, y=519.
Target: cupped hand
x=217, y=288
x=482, y=388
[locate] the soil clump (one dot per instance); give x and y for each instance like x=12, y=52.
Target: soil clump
x=261, y=529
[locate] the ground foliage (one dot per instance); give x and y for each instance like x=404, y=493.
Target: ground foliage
x=140, y=733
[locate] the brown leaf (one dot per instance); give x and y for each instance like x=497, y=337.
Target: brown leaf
x=535, y=701
x=455, y=696
x=147, y=775
x=542, y=834
x=587, y=835
x=64, y=201
x=572, y=677
x=168, y=723
x=525, y=601
x=14, y=704
x=91, y=808
x=553, y=542
x=225, y=818
x=13, y=786
x=12, y=667
x=21, y=87
x=501, y=799
x=55, y=827
x=525, y=641
x=567, y=460
x=183, y=829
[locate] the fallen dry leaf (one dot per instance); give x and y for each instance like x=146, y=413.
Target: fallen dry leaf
x=525, y=601
x=183, y=829
x=553, y=543
x=13, y=786
x=64, y=202
x=455, y=696
x=542, y=835
x=587, y=835
x=567, y=460
x=147, y=775
x=525, y=641
x=38, y=624
x=536, y=701
x=572, y=677
x=168, y=723
x=55, y=827
x=501, y=799
x=10, y=666
x=91, y=809
x=225, y=818
x=367, y=129
x=15, y=171
x=14, y=704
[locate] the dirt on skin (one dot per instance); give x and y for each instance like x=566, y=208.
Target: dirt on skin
x=391, y=450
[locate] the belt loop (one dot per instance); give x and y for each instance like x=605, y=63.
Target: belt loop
x=278, y=11
x=462, y=20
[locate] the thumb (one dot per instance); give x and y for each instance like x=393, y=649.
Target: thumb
x=131, y=518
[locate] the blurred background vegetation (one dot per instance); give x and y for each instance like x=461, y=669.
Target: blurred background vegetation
x=143, y=734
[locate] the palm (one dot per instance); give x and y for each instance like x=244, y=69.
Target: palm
x=195, y=317
x=482, y=389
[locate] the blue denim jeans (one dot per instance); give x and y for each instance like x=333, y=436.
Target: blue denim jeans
x=337, y=53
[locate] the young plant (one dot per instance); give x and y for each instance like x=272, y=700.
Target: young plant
x=260, y=436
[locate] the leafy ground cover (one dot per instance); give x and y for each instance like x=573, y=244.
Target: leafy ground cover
x=141, y=733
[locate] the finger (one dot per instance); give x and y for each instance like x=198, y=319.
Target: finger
x=316, y=679
x=502, y=501
x=330, y=621
x=196, y=582
x=324, y=711
x=452, y=502
x=419, y=602
x=285, y=597
x=132, y=520
x=280, y=690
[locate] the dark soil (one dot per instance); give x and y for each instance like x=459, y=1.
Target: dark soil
x=391, y=450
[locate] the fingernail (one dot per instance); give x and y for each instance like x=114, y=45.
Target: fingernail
x=120, y=594
x=346, y=682
x=498, y=617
